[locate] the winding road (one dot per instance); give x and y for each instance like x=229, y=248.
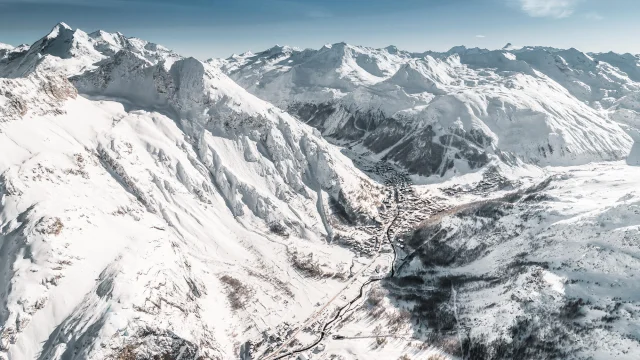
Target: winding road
x=338, y=315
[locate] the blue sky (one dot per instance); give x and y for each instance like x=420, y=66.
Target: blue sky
x=218, y=28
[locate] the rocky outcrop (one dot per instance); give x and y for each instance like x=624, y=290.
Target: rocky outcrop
x=36, y=94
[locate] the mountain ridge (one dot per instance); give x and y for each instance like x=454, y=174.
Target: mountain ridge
x=191, y=170
x=399, y=85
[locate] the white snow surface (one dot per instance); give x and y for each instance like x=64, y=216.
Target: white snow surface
x=574, y=238
x=156, y=205
x=148, y=204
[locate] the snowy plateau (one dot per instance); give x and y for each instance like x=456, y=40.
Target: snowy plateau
x=342, y=203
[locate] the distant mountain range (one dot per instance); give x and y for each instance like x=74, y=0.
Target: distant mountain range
x=440, y=114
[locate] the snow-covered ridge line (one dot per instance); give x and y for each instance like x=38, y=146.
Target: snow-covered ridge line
x=536, y=105
x=80, y=50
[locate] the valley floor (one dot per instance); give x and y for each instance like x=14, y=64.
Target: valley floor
x=530, y=265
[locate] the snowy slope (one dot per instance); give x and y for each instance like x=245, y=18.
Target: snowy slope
x=537, y=265
x=5, y=49
x=208, y=200
x=207, y=102
x=438, y=114
x=159, y=214
x=548, y=272
x=8, y=52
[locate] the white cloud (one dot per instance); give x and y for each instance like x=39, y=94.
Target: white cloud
x=548, y=8
x=480, y=36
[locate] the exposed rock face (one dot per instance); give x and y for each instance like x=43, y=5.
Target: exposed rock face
x=40, y=95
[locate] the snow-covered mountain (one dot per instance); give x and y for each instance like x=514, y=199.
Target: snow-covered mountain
x=81, y=52
x=5, y=49
x=440, y=114
x=263, y=206
x=152, y=207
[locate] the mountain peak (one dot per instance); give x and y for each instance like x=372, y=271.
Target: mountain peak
x=63, y=25
x=392, y=49
x=56, y=30
x=458, y=48
x=277, y=49
x=510, y=46
x=99, y=33
x=338, y=45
